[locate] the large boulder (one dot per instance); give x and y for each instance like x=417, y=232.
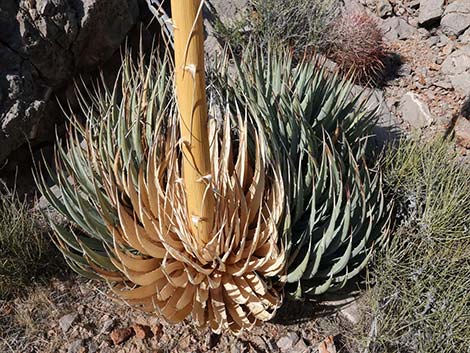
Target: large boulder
x=430, y=12
x=456, y=17
x=44, y=44
x=395, y=28
x=457, y=67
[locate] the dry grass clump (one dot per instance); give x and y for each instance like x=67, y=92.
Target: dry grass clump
x=420, y=301
x=355, y=42
x=25, y=249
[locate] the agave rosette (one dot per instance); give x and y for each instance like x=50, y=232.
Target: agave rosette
x=121, y=186
x=335, y=208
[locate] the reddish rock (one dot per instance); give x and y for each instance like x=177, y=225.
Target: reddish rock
x=157, y=329
x=462, y=132
x=121, y=335
x=142, y=331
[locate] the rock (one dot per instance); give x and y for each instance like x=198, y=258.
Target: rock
x=456, y=18
x=384, y=9
x=43, y=45
x=259, y=343
x=457, y=67
x=414, y=111
x=386, y=128
x=423, y=33
x=465, y=37
x=443, y=84
x=433, y=40
x=430, y=12
x=461, y=83
x=405, y=70
x=108, y=325
x=288, y=341
x=121, y=335
x=397, y=28
x=142, y=331
x=92, y=347
x=462, y=132
x=77, y=346
x=157, y=329
x=351, y=313
x=66, y=321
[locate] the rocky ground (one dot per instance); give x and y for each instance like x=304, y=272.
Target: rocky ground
x=430, y=89
x=427, y=93
x=76, y=316
x=427, y=84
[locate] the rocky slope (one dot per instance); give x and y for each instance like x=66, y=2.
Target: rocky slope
x=432, y=88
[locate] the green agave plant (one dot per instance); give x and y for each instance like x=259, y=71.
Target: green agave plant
x=295, y=201
x=336, y=208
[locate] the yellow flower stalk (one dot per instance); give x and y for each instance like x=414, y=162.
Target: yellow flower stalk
x=191, y=97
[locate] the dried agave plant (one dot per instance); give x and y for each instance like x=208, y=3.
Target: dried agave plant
x=336, y=213
x=120, y=184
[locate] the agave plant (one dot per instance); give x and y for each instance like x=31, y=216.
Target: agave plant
x=336, y=213
x=120, y=184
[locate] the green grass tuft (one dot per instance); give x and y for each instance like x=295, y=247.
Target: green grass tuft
x=421, y=298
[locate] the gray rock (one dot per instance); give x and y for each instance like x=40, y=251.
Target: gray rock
x=465, y=37
x=43, y=45
x=384, y=9
x=457, y=68
x=92, y=347
x=456, y=18
x=66, y=321
x=108, y=325
x=430, y=12
x=386, y=127
x=423, y=33
x=433, y=40
x=397, y=28
x=288, y=341
x=414, y=111
x=351, y=313
x=77, y=346
x=405, y=70
x=444, y=84
x=461, y=83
